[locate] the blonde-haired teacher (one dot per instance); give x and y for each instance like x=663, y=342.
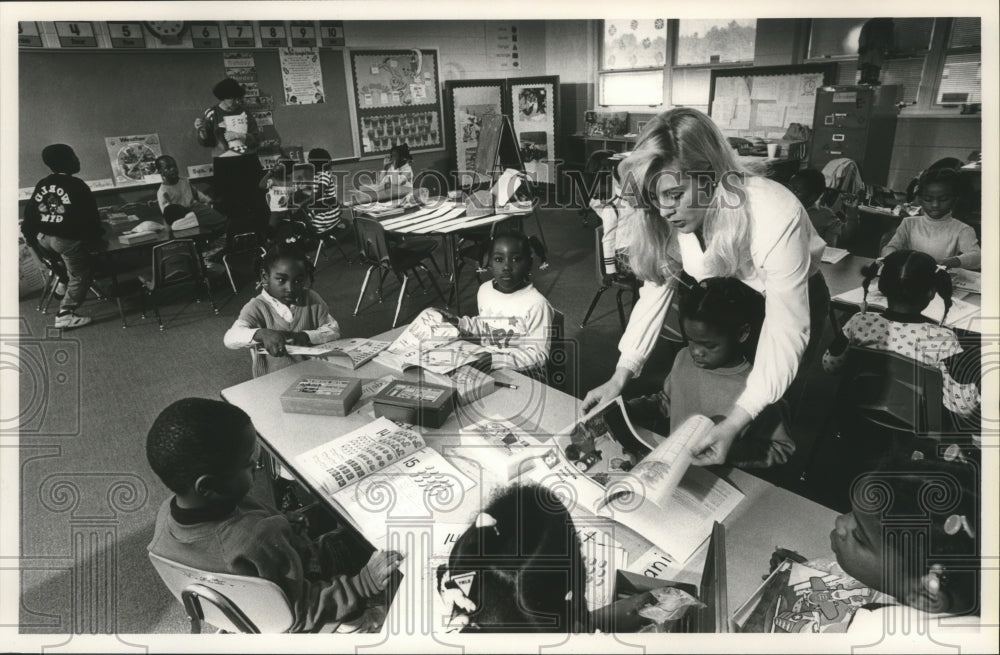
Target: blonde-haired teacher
x=707, y=215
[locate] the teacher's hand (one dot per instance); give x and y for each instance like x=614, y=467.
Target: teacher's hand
x=713, y=447
x=608, y=390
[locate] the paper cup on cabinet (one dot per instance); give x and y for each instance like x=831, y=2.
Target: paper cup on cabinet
x=772, y=150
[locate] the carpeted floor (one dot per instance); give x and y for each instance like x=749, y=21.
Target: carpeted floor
x=88, y=499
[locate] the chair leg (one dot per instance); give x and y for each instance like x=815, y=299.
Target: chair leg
x=208, y=292
x=364, y=286
x=593, y=304
x=319, y=248
x=434, y=284
x=121, y=312
x=229, y=273
x=420, y=280
x=47, y=293
x=621, y=308
x=343, y=253
x=399, y=303
x=381, y=282
x=156, y=310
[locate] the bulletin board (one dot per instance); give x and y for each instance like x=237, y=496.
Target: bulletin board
x=764, y=101
x=397, y=99
x=81, y=98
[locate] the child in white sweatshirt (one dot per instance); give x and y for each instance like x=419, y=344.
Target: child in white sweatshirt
x=515, y=320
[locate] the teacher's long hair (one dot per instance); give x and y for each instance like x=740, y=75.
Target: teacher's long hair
x=686, y=140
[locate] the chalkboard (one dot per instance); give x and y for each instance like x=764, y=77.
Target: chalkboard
x=79, y=98
x=496, y=135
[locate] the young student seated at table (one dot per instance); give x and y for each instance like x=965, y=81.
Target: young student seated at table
x=877, y=543
x=720, y=318
x=61, y=217
x=909, y=281
x=206, y=452
x=515, y=320
x=936, y=232
x=285, y=312
x=808, y=185
x=397, y=172
x=528, y=568
x=177, y=198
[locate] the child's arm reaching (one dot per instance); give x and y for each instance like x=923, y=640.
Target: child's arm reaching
x=199, y=195
x=836, y=354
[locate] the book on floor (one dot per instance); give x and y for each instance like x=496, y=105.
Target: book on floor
x=381, y=471
x=431, y=344
x=349, y=353
x=644, y=482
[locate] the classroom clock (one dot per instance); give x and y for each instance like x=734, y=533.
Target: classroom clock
x=167, y=31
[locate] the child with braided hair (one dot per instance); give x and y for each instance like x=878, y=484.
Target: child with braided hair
x=909, y=281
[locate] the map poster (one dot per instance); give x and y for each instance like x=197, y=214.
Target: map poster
x=302, y=76
x=133, y=158
x=395, y=78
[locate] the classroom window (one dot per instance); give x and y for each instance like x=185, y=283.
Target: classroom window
x=633, y=54
x=960, y=81
x=690, y=87
x=715, y=41
x=831, y=38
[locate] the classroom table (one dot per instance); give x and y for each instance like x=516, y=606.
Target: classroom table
x=767, y=517
x=442, y=219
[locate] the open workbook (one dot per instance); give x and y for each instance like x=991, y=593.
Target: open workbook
x=960, y=315
x=432, y=345
x=661, y=497
x=380, y=472
x=349, y=353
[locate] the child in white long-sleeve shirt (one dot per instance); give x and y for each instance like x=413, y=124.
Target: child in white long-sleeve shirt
x=286, y=311
x=515, y=320
x=936, y=232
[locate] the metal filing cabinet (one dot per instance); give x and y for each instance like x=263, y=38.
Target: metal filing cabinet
x=857, y=122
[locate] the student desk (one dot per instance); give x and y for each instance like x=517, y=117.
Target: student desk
x=413, y=223
x=767, y=517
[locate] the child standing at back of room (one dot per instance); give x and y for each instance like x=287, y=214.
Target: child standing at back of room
x=949, y=241
x=719, y=318
x=515, y=320
x=808, y=186
x=285, y=312
x=206, y=453
x=909, y=281
x=398, y=172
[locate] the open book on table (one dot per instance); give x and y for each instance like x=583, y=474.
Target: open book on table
x=380, y=471
x=960, y=315
x=833, y=255
x=431, y=344
x=797, y=598
x=349, y=353
x=660, y=496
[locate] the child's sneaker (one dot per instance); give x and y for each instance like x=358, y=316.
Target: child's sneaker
x=71, y=320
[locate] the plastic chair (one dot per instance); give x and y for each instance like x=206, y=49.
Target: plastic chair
x=621, y=281
x=232, y=603
x=884, y=402
x=240, y=244
x=400, y=259
x=561, y=370
x=175, y=262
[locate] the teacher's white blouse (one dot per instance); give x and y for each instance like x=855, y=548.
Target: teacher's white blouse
x=785, y=250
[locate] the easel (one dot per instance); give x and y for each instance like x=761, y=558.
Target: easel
x=498, y=150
